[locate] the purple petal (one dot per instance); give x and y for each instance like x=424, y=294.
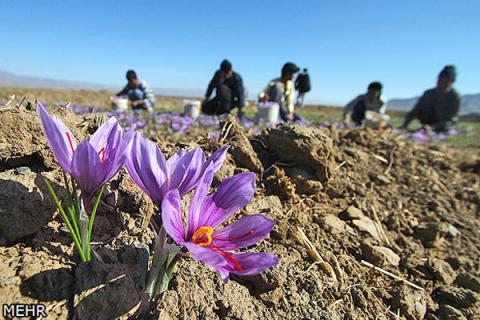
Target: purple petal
x=195, y=214
x=206, y=255
x=251, y=263
x=188, y=171
x=116, y=158
x=57, y=135
x=87, y=168
x=233, y=194
x=243, y=233
x=217, y=158
x=172, y=217
x=146, y=165
x=173, y=160
x=107, y=136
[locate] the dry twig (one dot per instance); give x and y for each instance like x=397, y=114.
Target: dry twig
x=385, y=272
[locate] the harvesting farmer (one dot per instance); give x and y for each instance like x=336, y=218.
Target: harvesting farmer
x=438, y=107
x=281, y=90
x=139, y=94
x=229, y=91
x=356, y=110
x=302, y=85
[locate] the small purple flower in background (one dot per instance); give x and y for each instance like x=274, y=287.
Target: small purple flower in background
x=207, y=212
x=215, y=135
x=155, y=176
x=453, y=132
x=420, y=137
x=247, y=122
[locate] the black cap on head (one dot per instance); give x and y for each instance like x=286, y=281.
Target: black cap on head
x=305, y=70
x=375, y=86
x=289, y=68
x=448, y=72
x=131, y=75
x=225, y=66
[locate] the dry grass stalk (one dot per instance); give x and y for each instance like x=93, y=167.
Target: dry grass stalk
x=385, y=272
x=312, y=251
x=376, y=156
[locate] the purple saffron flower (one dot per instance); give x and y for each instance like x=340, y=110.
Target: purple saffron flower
x=155, y=176
x=207, y=212
x=92, y=163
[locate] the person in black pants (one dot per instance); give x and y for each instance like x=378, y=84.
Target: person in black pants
x=229, y=92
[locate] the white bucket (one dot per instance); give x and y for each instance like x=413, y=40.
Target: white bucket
x=119, y=103
x=268, y=114
x=192, y=108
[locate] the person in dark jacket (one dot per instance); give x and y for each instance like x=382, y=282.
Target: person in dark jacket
x=139, y=94
x=302, y=85
x=438, y=107
x=229, y=92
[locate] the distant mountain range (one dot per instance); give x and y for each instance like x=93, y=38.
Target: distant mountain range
x=470, y=104
x=8, y=79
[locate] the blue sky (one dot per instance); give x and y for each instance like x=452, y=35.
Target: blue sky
x=178, y=44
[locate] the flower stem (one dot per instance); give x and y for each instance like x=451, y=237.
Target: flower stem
x=157, y=263
x=67, y=221
x=92, y=218
x=71, y=211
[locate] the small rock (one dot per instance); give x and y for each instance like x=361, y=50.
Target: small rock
x=351, y=213
x=441, y=270
x=468, y=281
x=106, y=290
x=25, y=204
x=431, y=234
x=379, y=255
x=412, y=304
x=22, y=170
x=367, y=225
x=450, y=313
x=333, y=224
x=457, y=297
x=452, y=231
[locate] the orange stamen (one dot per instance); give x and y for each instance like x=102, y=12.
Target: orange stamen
x=199, y=236
x=70, y=141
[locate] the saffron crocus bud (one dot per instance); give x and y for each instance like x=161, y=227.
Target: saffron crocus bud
x=205, y=214
x=92, y=163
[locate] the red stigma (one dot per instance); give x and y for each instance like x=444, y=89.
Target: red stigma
x=70, y=141
x=227, y=256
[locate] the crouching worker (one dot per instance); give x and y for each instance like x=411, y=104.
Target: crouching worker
x=368, y=107
x=438, y=107
x=282, y=90
x=139, y=94
x=229, y=92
